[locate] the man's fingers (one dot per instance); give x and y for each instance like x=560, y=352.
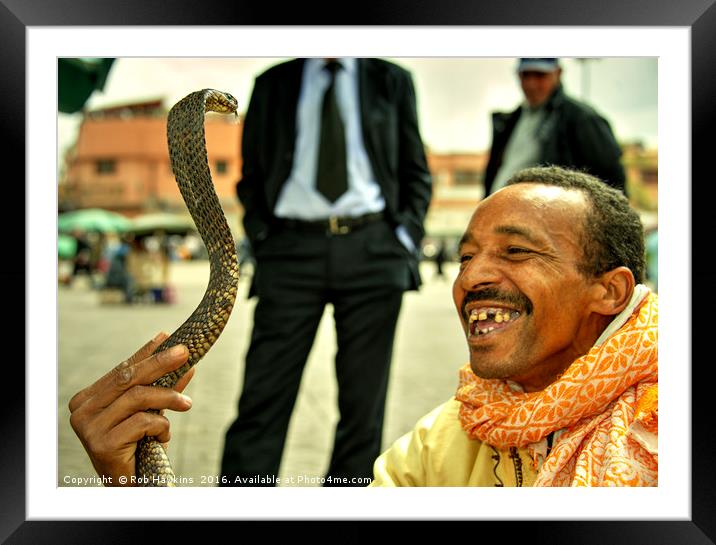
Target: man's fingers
x=101, y=384
x=141, y=373
x=140, y=425
x=147, y=350
x=126, y=375
x=139, y=399
x=182, y=382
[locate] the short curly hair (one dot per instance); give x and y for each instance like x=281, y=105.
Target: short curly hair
x=612, y=234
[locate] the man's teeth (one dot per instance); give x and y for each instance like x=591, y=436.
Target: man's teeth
x=496, y=315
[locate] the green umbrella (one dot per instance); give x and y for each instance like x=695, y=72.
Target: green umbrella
x=162, y=221
x=92, y=219
x=66, y=247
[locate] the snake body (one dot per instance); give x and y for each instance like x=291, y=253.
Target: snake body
x=188, y=156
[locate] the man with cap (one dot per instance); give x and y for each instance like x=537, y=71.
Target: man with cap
x=551, y=128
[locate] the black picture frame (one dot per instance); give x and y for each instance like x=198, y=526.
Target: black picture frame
x=698, y=15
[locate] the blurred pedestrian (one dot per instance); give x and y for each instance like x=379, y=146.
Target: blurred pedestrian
x=335, y=189
x=551, y=128
x=98, y=268
x=440, y=258
x=118, y=276
x=142, y=269
x=82, y=259
x=164, y=291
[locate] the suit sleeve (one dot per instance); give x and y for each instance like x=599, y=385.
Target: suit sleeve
x=596, y=148
x=413, y=172
x=250, y=188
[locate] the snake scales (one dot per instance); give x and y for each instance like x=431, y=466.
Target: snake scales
x=188, y=156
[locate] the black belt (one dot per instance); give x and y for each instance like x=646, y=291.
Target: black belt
x=335, y=225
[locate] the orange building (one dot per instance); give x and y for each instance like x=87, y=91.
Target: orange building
x=121, y=161
x=457, y=188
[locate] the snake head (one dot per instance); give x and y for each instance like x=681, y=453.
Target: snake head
x=221, y=102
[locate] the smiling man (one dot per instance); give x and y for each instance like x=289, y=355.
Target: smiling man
x=562, y=384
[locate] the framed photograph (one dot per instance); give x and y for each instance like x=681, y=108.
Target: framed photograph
x=39, y=509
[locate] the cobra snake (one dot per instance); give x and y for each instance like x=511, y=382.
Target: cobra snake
x=188, y=156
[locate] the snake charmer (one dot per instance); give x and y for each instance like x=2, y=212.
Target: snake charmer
x=561, y=388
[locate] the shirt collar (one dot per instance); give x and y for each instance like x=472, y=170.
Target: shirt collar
x=349, y=64
x=530, y=110
x=640, y=293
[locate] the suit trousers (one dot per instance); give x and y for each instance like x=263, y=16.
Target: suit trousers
x=363, y=275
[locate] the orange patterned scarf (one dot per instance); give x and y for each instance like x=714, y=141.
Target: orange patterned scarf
x=604, y=409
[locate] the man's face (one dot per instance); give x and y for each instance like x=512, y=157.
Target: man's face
x=539, y=86
x=522, y=301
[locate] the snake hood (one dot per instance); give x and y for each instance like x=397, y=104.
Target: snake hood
x=219, y=101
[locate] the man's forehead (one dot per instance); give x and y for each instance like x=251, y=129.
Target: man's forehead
x=543, y=198
x=529, y=208
x=544, y=192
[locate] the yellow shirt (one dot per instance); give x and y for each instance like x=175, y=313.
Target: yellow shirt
x=438, y=452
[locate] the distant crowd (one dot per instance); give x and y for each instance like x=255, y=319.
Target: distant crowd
x=128, y=268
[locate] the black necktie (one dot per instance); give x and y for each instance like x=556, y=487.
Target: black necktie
x=332, y=170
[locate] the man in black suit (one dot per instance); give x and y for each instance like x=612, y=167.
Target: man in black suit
x=335, y=189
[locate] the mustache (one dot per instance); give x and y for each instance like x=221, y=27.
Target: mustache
x=515, y=299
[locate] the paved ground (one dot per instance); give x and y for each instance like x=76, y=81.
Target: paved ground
x=93, y=337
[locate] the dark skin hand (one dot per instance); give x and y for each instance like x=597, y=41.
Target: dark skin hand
x=109, y=416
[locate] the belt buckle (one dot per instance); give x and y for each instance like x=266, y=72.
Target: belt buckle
x=336, y=229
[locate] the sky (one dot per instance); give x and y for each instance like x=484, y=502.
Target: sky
x=455, y=95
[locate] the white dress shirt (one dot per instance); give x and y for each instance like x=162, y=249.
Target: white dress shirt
x=299, y=198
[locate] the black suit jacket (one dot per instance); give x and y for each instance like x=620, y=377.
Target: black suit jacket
x=390, y=132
